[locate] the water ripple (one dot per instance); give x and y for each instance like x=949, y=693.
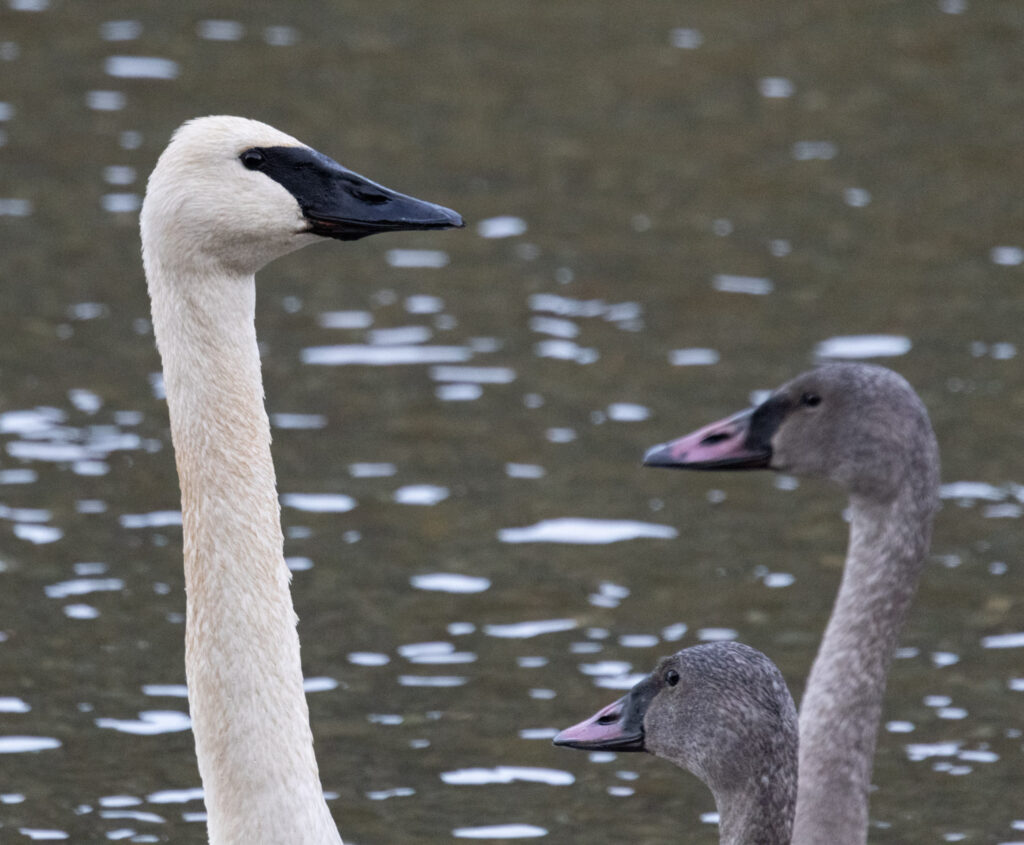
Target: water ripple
x=863, y=346
x=500, y=831
x=507, y=774
x=585, y=531
x=384, y=356
x=27, y=744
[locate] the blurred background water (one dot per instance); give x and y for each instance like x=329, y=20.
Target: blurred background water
x=670, y=206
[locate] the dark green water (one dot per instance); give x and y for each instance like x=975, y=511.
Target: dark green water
x=859, y=165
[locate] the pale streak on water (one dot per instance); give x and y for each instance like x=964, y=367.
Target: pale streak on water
x=458, y=417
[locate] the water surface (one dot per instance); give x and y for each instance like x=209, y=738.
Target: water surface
x=671, y=207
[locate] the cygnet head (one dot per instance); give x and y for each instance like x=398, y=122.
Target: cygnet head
x=860, y=425
x=720, y=710
x=238, y=193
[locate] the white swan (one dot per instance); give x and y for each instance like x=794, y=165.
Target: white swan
x=227, y=196
x=865, y=428
x=722, y=711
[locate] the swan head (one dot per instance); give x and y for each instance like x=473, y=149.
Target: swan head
x=716, y=709
x=860, y=425
x=240, y=193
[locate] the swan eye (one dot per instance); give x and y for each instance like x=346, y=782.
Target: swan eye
x=811, y=400
x=671, y=677
x=252, y=159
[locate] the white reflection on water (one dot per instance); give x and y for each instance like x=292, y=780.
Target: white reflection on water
x=175, y=796
x=500, y=831
x=220, y=30
x=623, y=313
x=156, y=519
x=171, y=690
x=371, y=470
x=141, y=67
x=686, y=38
x=417, y=258
x=450, y=582
x=120, y=30
x=83, y=586
x=606, y=668
x=620, y=682
x=1007, y=256
x=713, y=635
x=411, y=650
x=420, y=494
x=431, y=680
x=39, y=834
x=972, y=490
x=81, y=611
x=525, y=630
x=1004, y=641
x=459, y=392
x=346, y=319
x=383, y=356
x=923, y=750
x=318, y=502
x=775, y=87
x=149, y=723
x=319, y=684
x=695, y=357
x=628, y=412
x=400, y=336
x=368, y=658
x=863, y=346
x=814, y=150
x=507, y=774
x=10, y=207
x=555, y=326
x=121, y=203
x=505, y=226
x=37, y=534
x=105, y=100
x=566, y=350
x=25, y=744
x=13, y=704
x=478, y=375
x=298, y=421
x=585, y=531
x=396, y=792
x=755, y=285
x=514, y=470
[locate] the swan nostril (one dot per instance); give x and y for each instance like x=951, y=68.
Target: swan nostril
x=608, y=719
x=369, y=197
x=717, y=437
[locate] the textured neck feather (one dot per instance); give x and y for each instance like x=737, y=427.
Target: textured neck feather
x=758, y=814
x=842, y=703
x=759, y=809
x=249, y=712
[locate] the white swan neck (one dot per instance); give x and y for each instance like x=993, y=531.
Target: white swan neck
x=842, y=704
x=248, y=708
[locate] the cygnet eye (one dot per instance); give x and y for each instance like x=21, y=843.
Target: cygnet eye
x=252, y=159
x=811, y=400
x=671, y=677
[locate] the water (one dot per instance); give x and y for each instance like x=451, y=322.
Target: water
x=670, y=208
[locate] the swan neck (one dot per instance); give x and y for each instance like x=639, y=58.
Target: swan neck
x=760, y=812
x=248, y=708
x=842, y=702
